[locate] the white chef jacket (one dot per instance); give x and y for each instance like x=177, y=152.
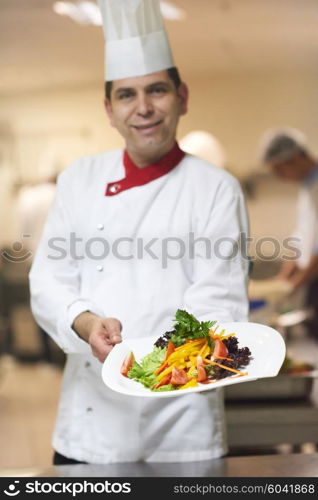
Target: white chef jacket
x=307, y=219
x=95, y=424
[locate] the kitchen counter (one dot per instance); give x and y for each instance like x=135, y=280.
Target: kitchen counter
x=295, y=465
x=270, y=423
x=289, y=417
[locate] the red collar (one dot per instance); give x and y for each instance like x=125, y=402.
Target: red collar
x=135, y=176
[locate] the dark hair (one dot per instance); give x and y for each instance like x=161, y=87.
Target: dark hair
x=283, y=148
x=172, y=72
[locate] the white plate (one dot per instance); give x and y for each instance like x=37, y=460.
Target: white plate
x=266, y=345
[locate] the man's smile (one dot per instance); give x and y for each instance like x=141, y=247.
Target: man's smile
x=147, y=126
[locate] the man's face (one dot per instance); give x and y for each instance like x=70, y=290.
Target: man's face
x=146, y=110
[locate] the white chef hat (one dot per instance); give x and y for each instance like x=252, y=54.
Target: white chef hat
x=281, y=144
x=136, y=39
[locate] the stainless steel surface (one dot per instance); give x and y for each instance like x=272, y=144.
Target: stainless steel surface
x=297, y=465
x=281, y=387
x=271, y=422
x=257, y=424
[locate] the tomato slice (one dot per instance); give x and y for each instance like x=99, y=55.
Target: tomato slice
x=178, y=377
x=127, y=364
x=202, y=375
x=220, y=349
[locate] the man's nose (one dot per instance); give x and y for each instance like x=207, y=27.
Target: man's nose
x=144, y=105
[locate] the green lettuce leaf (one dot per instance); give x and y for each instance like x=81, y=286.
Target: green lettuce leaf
x=167, y=387
x=144, y=372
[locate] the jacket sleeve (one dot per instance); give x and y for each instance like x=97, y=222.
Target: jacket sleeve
x=55, y=279
x=220, y=261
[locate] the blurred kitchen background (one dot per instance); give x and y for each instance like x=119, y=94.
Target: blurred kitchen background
x=251, y=65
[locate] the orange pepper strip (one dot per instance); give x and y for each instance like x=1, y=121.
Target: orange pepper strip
x=241, y=374
x=164, y=381
x=221, y=357
x=212, y=332
x=222, y=366
x=170, y=350
x=161, y=368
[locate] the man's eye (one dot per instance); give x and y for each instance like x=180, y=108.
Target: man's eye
x=125, y=95
x=158, y=90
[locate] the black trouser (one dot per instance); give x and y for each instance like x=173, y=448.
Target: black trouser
x=59, y=459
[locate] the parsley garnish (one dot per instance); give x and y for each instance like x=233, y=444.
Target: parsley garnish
x=188, y=327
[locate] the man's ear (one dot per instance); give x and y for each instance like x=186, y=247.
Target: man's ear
x=183, y=93
x=109, y=110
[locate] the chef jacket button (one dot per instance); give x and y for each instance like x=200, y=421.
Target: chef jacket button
x=114, y=188
x=87, y=364
x=89, y=409
x=100, y=226
x=99, y=268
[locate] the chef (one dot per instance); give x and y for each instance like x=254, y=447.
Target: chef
x=128, y=242
x=285, y=151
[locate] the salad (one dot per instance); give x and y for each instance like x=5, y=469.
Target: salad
x=192, y=353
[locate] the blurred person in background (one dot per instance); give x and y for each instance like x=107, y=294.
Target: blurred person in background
x=286, y=153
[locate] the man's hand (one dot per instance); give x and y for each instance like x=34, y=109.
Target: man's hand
x=288, y=269
x=296, y=281
x=306, y=275
x=101, y=333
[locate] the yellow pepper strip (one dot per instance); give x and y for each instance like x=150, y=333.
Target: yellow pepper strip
x=191, y=383
x=172, y=359
x=182, y=355
x=164, y=373
x=194, y=354
x=168, y=370
x=222, y=366
x=206, y=352
x=181, y=366
x=203, y=348
x=188, y=349
x=189, y=343
x=228, y=336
